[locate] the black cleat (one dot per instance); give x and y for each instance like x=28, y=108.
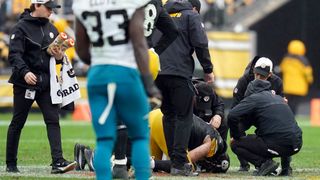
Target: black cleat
x=12, y=169
x=244, y=168
x=62, y=167
x=88, y=155
x=266, y=168
x=286, y=172
x=120, y=172
x=76, y=151
x=79, y=156
x=185, y=171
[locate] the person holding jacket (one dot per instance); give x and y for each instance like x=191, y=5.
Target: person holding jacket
x=174, y=80
x=297, y=74
x=277, y=133
x=30, y=77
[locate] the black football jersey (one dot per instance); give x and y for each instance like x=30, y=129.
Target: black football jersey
x=156, y=17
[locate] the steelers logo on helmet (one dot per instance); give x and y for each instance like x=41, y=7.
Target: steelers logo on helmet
x=154, y=63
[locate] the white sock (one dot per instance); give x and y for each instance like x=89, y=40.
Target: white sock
x=152, y=163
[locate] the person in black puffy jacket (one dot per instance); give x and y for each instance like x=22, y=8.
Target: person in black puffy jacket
x=30, y=77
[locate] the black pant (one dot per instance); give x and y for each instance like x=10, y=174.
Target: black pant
x=244, y=125
x=177, y=109
x=256, y=151
x=223, y=130
x=21, y=108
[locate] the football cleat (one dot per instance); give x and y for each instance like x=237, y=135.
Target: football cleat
x=62, y=167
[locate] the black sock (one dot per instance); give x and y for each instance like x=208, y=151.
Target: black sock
x=121, y=144
x=162, y=165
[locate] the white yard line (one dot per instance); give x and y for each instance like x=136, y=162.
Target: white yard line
x=84, y=123
x=43, y=171
x=41, y=123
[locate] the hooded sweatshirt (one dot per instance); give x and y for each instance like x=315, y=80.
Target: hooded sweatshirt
x=177, y=59
x=248, y=76
x=29, y=41
x=269, y=113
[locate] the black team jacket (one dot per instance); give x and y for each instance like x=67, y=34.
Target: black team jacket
x=29, y=41
x=269, y=113
x=177, y=59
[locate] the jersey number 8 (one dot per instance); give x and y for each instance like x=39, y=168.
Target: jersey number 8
x=149, y=21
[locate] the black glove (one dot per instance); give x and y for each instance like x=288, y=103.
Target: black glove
x=152, y=91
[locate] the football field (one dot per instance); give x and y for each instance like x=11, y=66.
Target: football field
x=34, y=153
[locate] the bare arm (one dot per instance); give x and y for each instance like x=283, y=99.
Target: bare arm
x=83, y=43
x=140, y=46
x=201, y=151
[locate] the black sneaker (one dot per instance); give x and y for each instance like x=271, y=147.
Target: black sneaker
x=62, y=167
x=12, y=169
x=244, y=168
x=120, y=172
x=185, y=171
x=88, y=155
x=267, y=168
x=286, y=172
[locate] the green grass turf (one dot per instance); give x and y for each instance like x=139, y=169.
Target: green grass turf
x=34, y=154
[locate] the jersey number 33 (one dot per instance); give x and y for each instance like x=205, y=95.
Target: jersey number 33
x=94, y=21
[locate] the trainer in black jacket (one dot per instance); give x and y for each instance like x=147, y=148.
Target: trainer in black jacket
x=277, y=133
x=238, y=95
x=174, y=79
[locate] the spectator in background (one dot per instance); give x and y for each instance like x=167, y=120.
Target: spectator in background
x=2, y=13
x=215, y=13
x=297, y=74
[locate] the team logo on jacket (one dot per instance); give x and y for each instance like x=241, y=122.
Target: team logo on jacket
x=13, y=36
x=51, y=35
x=206, y=98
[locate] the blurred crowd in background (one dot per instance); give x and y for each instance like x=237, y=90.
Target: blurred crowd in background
x=215, y=14
x=237, y=30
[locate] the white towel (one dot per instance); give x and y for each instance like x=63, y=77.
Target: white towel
x=64, y=89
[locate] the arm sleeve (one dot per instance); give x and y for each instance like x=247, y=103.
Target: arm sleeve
x=243, y=109
x=279, y=88
x=239, y=90
x=308, y=72
x=168, y=29
x=198, y=39
x=218, y=106
x=16, y=51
